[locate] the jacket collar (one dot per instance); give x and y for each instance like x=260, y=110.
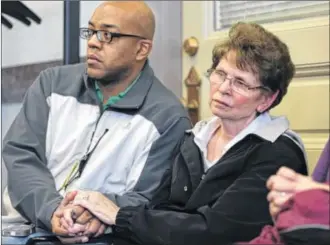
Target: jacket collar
x=269, y=127
x=280, y=126
x=266, y=127
x=136, y=95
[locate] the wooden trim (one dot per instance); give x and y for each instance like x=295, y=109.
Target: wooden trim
x=16, y=80
x=313, y=70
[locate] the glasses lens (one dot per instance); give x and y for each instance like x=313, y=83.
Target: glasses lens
x=239, y=87
x=208, y=73
x=85, y=33
x=104, y=36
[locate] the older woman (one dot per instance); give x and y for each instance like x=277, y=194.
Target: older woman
x=216, y=190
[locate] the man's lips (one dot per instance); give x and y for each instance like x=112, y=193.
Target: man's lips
x=93, y=57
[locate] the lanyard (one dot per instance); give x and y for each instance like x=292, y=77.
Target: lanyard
x=79, y=166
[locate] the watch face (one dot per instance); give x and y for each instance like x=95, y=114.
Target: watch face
x=17, y=229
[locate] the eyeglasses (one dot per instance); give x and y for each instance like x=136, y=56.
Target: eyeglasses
x=103, y=36
x=217, y=77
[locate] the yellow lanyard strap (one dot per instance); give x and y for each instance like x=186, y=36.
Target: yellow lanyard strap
x=83, y=162
x=72, y=173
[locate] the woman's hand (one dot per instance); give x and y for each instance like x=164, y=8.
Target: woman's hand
x=99, y=205
x=284, y=185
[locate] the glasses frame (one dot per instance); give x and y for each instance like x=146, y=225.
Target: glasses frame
x=99, y=36
x=249, y=88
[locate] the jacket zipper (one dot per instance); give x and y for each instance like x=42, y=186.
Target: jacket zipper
x=223, y=157
x=84, y=159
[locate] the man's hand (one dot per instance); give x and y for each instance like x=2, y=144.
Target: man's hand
x=79, y=221
x=60, y=230
x=100, y=206
x=69, y=214
x=57, y=228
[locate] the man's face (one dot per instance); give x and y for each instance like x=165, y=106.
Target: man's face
x=111, y=61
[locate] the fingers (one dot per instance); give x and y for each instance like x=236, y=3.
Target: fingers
x=58, y=212
x=281, y=184
x=288, y=173
x=64, y=224
x=284, y=174
x=93, y=227
x=67, y=215
x=276, y=201
x=278, y=198
x=273, y=209
x=77, y=211
x=85, y=217
x=57, y=228
x=69, y=198
x=77, y=229
x=70, y=240
x=101, y=230
x=82, y=199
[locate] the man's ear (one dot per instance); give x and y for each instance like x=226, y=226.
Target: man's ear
x=267, y=101
x=144, y=49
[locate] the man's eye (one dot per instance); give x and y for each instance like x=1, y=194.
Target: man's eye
x=106, y=34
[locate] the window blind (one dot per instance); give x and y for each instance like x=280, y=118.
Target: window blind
x=227, y=13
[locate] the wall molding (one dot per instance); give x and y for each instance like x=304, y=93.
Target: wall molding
x=314, y=139
x=314, y=144
x=313, y=69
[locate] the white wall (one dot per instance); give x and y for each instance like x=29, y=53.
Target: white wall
x=36, y=43
x=40, y=43
x=86, y=10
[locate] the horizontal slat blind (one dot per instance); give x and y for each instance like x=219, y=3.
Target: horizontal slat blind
x=229, y=12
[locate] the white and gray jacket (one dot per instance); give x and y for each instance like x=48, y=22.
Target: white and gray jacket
x=61, y=120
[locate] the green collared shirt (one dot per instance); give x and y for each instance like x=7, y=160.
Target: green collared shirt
x=113, y=99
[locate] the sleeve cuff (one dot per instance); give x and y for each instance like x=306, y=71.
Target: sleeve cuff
x=125, y=216
x=51, y=207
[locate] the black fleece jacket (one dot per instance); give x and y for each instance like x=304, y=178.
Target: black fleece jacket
x=226, y=204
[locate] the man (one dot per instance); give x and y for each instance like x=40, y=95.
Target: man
x=108, y=125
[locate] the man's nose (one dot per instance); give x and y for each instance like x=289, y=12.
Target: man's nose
x=94, y=42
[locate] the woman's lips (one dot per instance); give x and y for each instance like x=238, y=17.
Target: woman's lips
x=222, y=103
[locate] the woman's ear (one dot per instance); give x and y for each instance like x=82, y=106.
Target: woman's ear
x=268, y=100
x=144, y=49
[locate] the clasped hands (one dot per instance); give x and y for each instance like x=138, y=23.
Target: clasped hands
x=82, y=215
x=284, y=185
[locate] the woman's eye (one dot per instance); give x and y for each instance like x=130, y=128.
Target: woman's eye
x=241, y=83
x=221, y=73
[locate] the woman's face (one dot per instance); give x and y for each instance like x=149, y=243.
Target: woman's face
x=231, y=96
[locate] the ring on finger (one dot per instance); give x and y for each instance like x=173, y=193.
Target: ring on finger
x=282, y=194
